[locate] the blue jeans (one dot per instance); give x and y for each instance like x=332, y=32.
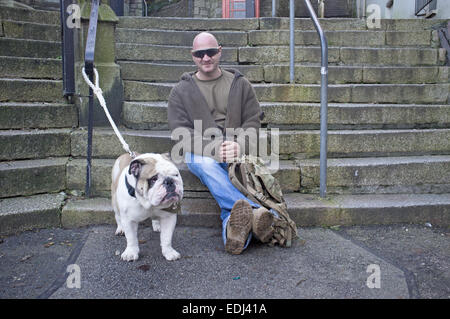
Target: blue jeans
x=214, y=176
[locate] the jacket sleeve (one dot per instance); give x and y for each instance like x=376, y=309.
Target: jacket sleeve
x=251, y=115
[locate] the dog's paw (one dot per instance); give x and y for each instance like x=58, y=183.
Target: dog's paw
x=156, y=226
x=130, y=254
x=171, y=254
x=119, y=231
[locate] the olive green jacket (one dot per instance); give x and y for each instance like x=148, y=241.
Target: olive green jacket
x=187, y=104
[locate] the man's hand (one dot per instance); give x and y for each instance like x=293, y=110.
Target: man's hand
x=229, y=151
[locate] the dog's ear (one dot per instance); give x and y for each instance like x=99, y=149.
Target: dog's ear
x=135, y=168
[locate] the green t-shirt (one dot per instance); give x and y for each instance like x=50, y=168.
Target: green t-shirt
x=216, y=94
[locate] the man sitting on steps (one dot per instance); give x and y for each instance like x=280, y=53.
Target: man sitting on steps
x=220, y=99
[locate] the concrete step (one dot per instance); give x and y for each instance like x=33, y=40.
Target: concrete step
x=279, y=37
x=30, y=48
x=30, y=177
x=31, y=90
x=345, y=93
x=342, y=38
x=32, y=31
x=188, y=24
x=337, y=74
x=153, y=115
x=305, y=210
x=31, y=68
x=33, y=16
x=304, y=74
x=387, y=175
x=150, y=52
x=343, y=24
x=105, y=143
x=171, y=72
x=357, y=116
x=101, y=177
x=365, y=143
x=328, y=24
x=390, y=175
x=33, y=144
x=292, y=143
x=37, y=115
x=177, y=38
x=402, y=56
x=19, y=214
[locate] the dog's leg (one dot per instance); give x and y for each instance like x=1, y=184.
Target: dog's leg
x=130, y=228
x=167, y=228
x=119, y=230
x=156, y=226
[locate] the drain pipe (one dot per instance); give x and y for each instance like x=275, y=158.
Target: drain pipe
x=323, y=101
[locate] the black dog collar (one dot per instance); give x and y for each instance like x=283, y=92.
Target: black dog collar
x=130, y=188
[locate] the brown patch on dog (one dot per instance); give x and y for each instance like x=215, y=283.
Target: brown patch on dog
x=147, y=171
x=124, y=160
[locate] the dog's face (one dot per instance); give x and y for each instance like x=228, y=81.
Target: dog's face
x=159, y=182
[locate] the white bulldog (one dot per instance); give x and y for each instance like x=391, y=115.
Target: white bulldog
x=148, y=186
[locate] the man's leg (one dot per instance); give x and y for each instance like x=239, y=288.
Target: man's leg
x=214, y=176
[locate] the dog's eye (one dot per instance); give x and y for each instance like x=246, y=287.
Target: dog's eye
x=152, y=181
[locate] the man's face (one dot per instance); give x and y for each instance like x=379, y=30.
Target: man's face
x=206, y=54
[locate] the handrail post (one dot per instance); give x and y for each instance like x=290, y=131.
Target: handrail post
x=68, y=53
x=323, y=100
x=274, y=9
x=89, y=68
x=291, y=41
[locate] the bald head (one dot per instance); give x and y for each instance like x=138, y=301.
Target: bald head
x=204, y=40
x=208, y=59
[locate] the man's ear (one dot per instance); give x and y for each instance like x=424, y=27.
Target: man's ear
x=135, y=168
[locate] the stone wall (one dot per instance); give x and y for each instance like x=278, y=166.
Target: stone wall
x=132, y=8
x=181, y=9
x=52, y=5
x=192, y=8
x=208, y=8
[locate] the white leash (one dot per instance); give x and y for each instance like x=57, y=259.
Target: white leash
x=98, y=92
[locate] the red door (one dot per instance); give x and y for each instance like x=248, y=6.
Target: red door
x=238, y=9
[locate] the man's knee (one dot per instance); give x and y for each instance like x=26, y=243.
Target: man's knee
x=198, y=163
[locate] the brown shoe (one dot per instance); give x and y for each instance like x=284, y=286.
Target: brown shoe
x=238, y=227
x=262, y=224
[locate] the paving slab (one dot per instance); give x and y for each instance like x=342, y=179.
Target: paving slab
x=337, y=271
x=412, y=261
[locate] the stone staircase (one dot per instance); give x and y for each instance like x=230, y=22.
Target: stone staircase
x=389, y=118
x=35, y=120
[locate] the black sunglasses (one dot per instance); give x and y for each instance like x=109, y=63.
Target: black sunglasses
x=209, y=52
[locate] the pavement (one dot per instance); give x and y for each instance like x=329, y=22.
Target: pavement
x=400, y=261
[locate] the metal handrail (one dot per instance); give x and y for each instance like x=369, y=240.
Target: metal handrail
x=89, y=69
x=144, y=8
x=291, y=41
x=423, y=7
x=323, y=100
